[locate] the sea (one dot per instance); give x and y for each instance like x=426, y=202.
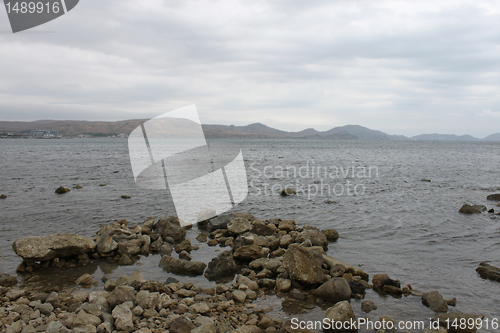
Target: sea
x=394, y=203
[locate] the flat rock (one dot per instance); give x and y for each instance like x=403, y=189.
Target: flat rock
x=302, y=266
x=45, y=248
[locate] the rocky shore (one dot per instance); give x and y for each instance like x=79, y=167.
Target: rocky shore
x=271, y=257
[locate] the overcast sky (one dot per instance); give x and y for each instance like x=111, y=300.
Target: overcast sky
x=403, y=67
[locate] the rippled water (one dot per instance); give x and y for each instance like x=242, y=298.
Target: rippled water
x=397, y=224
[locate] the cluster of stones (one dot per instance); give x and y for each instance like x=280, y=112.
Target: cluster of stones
x=131, y=304
x=263, y=257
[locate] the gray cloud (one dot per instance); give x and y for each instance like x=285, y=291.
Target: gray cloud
x=401, y=67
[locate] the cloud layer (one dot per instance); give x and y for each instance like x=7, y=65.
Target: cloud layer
x=400, y=67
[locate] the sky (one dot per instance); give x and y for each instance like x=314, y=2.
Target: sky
x=402, y=67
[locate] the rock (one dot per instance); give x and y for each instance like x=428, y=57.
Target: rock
x=341, y=312
x=135, y=277
x=302, y=266
x=316, y=237
x=331, y=234
x=15, y=293
x=448, y=318
x=185, y=255
x=121, y=294
x=357, y=287
x=85, y=280
x=147, y=300
x=367, y=306
x=126, y=196
x=287, y=192
x=287, y=225
x=494, y=197
x=219, y=222
x=3, y=196
x=472, y=209
x=62, y=190
x=392, y=290
x=250, y=252
x=123, y=317
x=283, y=285
x=239, y=226
x=125, y=260
x=487, y=271
x=334, y=290
x=170, y=227
x=201, y=307
x=105, y=244
x=381, y=280
x=165, y=250
x=221, y=266
x=435, y=301
x=285, y=241
x=181, y=325
x=83, y=318
x=130, y=247
x=239, y=296
x=252, y=285
x=202, y=238
x=7, y=280
x=261, y=229
x=45, y=248
x=180, y=266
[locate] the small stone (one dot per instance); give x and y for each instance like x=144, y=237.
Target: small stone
x=367, y=306
x=85, y=280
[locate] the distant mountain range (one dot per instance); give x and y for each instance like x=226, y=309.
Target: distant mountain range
x=257, y=130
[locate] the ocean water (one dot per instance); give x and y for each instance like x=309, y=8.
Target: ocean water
x=373, y=193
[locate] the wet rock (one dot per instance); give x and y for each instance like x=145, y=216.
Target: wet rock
x=166, y=250
x=287, y=192
x=219, y=222
x=334, y=290
x=302, y=266
x=494, y=197
x=316, y=237
x=123, y=317
x=202, y=238
x=252, y=285
x=392, y=290
x=381, y=280
x=170, y=227
x=185, y=255
x=125, y=260
x=221, y=266
x=283, y=285
x=367, y=306
x=105, y=244
x=250, y=252
x=341, y=312
x=471, y=209
x=3, y=196
x=85, y=280
x=357, y=287
x=435, y=301
x=131, y=247
x=446, y=318
x=7, y=280
x=45, y=248
x=331, y=234
x=62, y=190
x=180, y=266
x=239, y=226
x=487, y=271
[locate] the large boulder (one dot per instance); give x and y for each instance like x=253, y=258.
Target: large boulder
x=181, y=266
x=334, y=290
x=435, y=301
x=340, y=312
x=45, y=248
x=486, y=271
x=221, y=266
x=301, y=265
